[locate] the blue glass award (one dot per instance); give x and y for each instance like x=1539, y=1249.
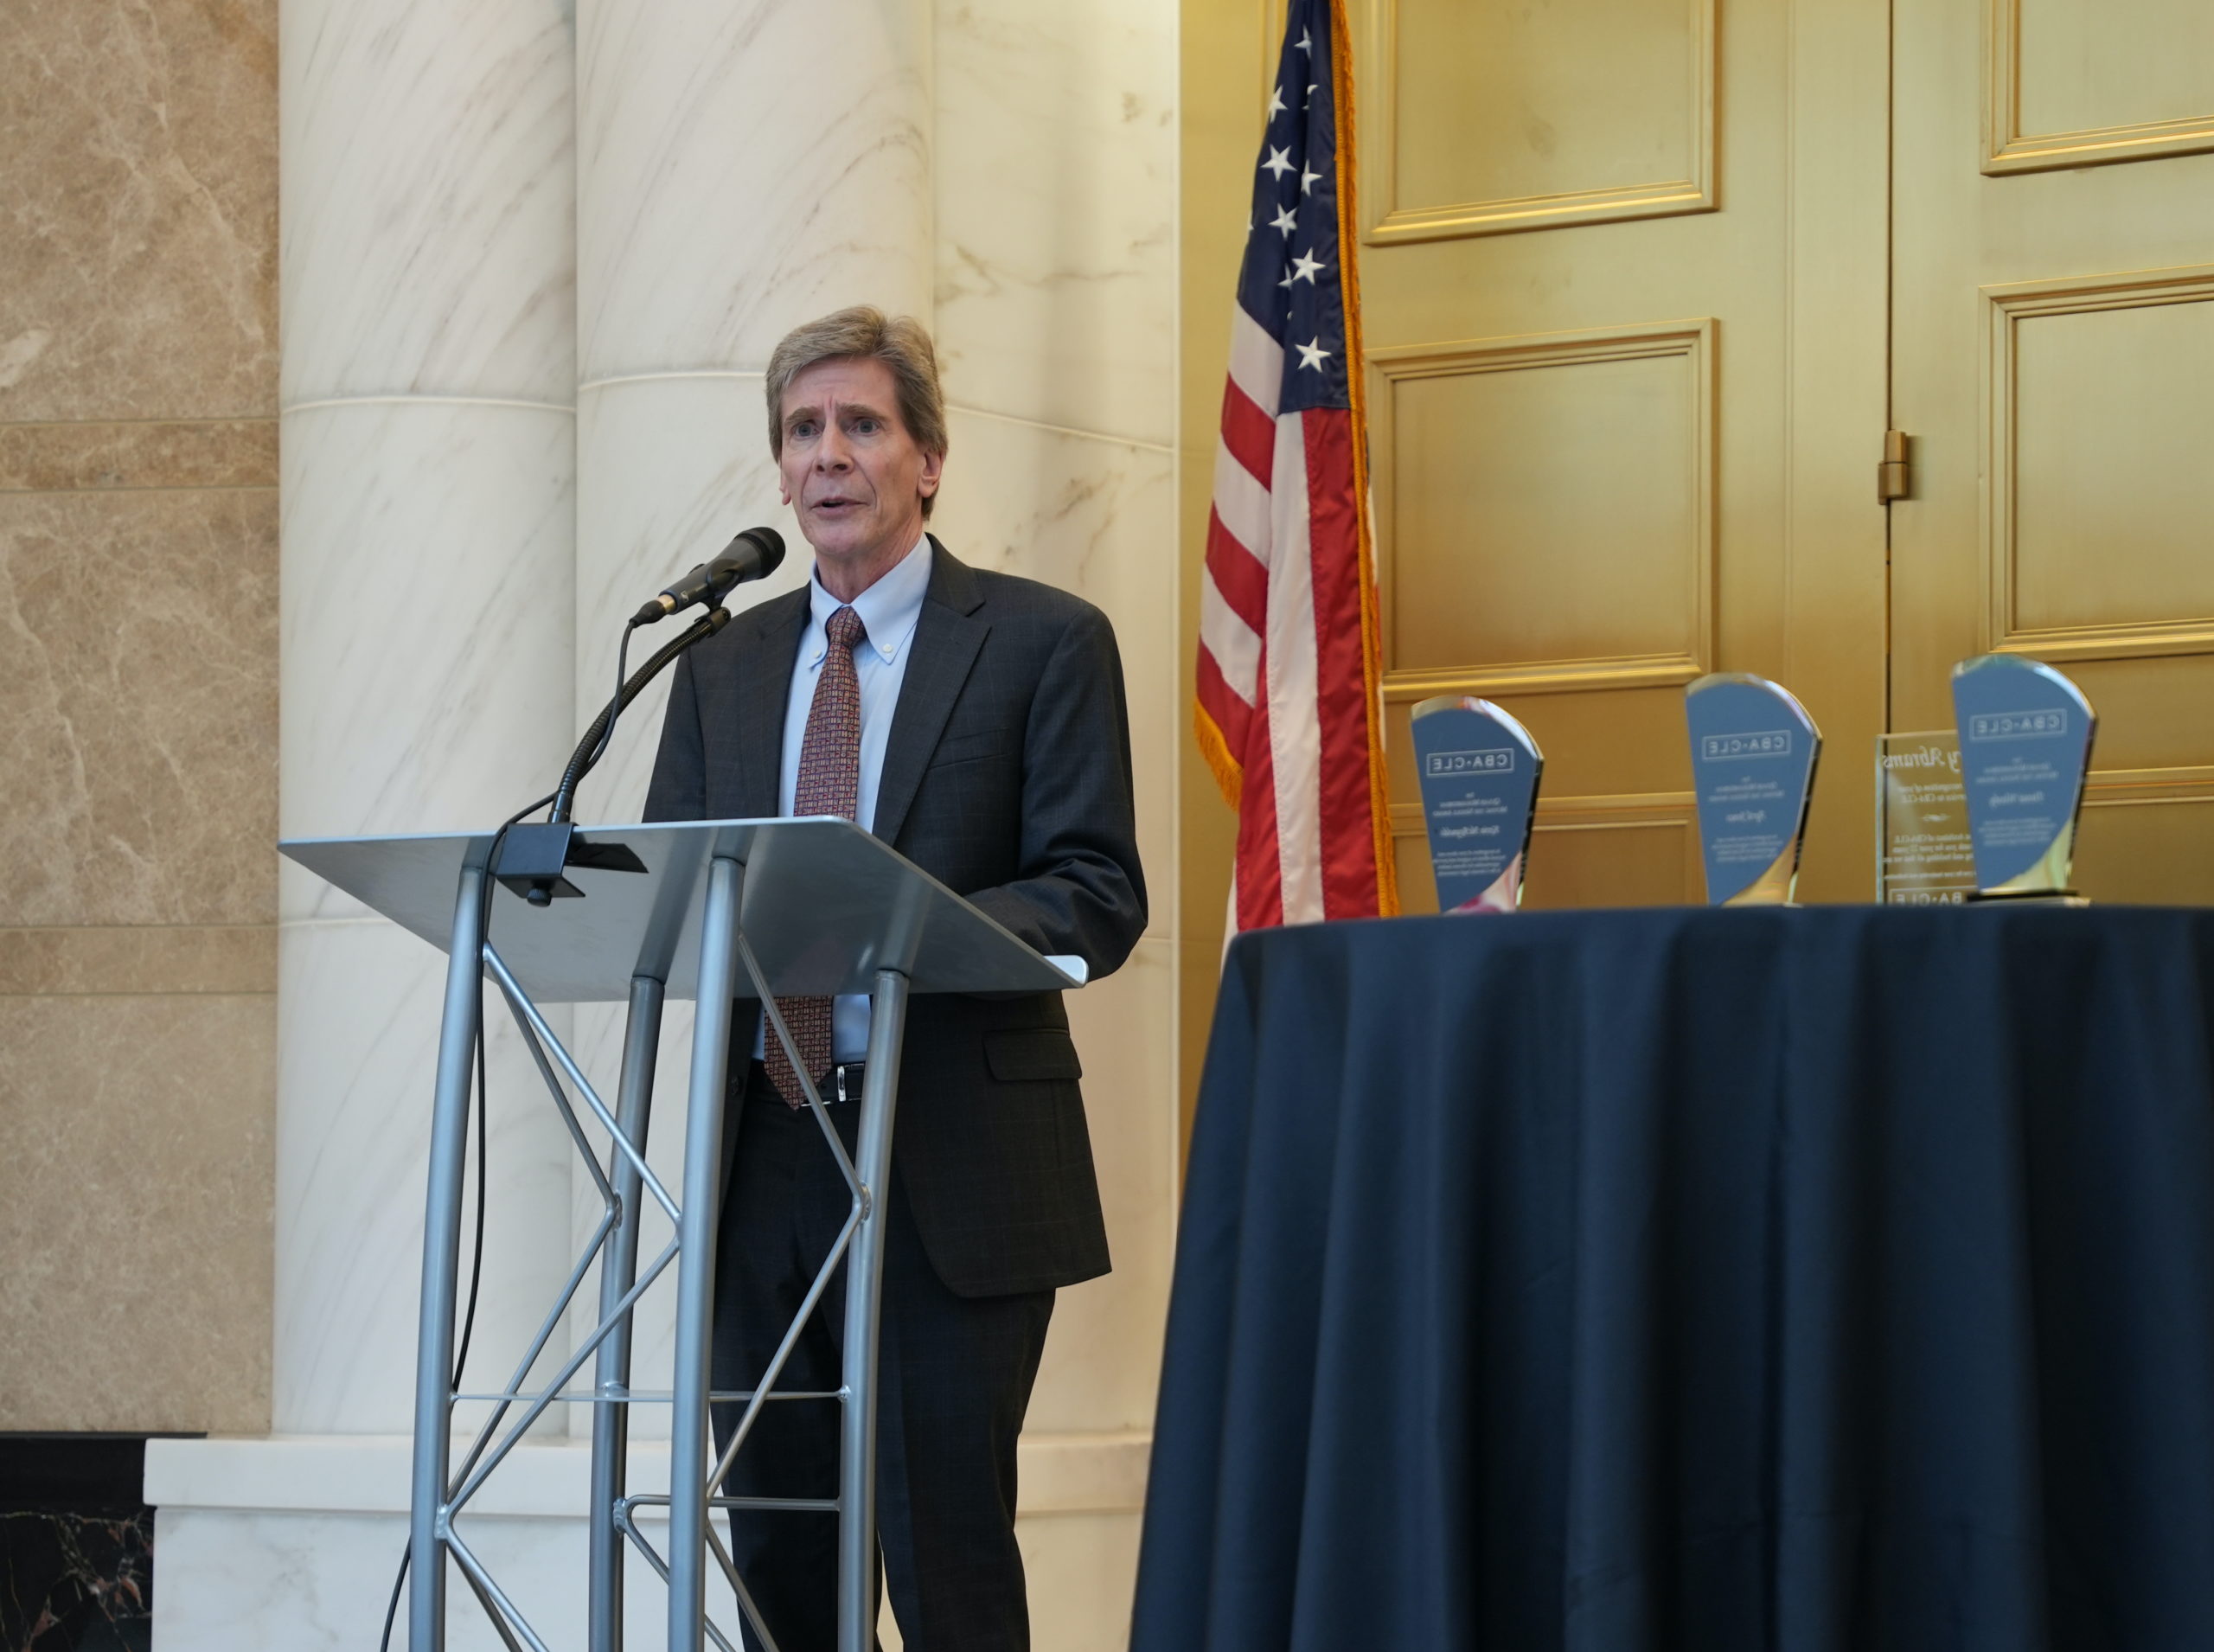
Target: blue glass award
x=1480, y=771
x=1753, y=754
x=2025, y=736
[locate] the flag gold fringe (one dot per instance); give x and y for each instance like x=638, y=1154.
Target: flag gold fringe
x=1229, y=774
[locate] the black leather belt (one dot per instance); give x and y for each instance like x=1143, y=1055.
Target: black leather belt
x=842, y=1083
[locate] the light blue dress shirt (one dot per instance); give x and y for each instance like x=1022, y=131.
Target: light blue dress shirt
x=889, y=611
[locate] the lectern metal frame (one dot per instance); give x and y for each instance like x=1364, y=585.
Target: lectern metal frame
x=840, y=911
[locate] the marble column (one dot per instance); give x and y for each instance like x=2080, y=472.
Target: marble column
x=740, y=168
x=427, y=379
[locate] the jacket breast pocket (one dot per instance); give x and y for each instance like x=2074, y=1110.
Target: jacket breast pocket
x=1031, y=1055
x=969, y=747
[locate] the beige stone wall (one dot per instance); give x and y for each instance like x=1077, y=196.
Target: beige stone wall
x=137, y=711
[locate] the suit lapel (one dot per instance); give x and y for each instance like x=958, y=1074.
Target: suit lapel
x=765, y=681
x=947, y=638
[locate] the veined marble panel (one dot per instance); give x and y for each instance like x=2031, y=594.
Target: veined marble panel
x=1102, y=1356
x=668, y=470
x=427, y=655
x=428, y=199
x=138, y=715
x=116, y=960
x=357, y=1045
x=1056, y=167
x=290, y=1544
x=744, y=167
x=138, y=237
x=246, y=1581
x=134, y=1211
x=139, y=453
x=1096, y=517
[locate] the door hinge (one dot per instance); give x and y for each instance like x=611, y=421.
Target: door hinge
x=1894, y=476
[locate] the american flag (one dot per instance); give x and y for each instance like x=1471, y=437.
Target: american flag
x=1289, y=661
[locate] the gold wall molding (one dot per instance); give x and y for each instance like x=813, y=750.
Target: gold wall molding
x=2119, y=788
x=1390, y=365
x=2007, y=147
x=1387, y=220
x=2006, y=307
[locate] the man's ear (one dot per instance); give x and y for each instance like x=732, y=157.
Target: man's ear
x=933, y=468
x=784, y=487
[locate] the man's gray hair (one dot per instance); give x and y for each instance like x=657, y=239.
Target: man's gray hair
x=866, y=333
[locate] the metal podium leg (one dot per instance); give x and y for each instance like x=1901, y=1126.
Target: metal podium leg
x=696, y=1261
x=426, y=1599
x=618, y=1268
x=887, y=1021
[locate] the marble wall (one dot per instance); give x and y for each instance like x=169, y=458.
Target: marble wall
x=137, y=711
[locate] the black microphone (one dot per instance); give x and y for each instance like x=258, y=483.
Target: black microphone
x=750, y=556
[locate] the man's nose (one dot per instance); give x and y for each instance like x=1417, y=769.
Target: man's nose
x=830, y=452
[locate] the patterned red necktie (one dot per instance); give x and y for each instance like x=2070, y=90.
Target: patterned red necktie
x=829, y=783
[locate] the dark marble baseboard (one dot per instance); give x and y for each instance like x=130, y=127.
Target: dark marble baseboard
x=76, y=1544
x=77, y=1583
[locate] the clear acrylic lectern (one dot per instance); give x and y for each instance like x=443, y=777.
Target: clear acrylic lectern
x=713, y=910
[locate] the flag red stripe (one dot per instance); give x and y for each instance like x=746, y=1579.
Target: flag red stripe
x=1239, y=575
x=1333, y=535
x=1259, y=873
x=1249, y=431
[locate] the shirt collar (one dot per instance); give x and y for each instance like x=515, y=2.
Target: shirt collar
x=888, y=609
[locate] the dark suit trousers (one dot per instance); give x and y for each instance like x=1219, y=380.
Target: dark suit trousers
x=954, y=1379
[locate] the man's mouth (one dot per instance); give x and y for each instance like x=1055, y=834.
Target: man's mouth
x=834, y=504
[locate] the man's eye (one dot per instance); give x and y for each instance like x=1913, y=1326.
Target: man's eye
x=803, y=429
x=867, y=427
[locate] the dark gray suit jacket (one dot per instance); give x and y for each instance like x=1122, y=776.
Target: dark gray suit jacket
x=1006, y=777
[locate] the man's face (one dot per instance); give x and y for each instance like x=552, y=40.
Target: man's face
x=849, y=469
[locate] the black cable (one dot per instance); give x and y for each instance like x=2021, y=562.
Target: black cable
x=392, y=1606
x=480, y=1104
x=595, y=738
x=622, y=664
x=483, y=1138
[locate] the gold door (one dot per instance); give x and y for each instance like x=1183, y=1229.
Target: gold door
x=1622, y=286
x=2053, y=362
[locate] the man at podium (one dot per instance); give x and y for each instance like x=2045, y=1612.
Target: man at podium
x=975, y=721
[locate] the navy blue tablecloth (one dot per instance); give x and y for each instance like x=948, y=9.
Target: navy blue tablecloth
x=1825, y=1281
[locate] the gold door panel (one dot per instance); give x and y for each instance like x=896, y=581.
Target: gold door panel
x=2081, y=82
x=2127, y=846
x=1487, y=119
x=1546, y=510
x=2101, y=419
